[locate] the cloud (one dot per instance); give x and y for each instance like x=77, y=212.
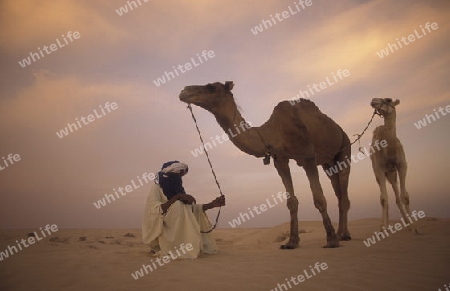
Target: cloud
x=28, y=25
x=350, y=40
x=40, y=110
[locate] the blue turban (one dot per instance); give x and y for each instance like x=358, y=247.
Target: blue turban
x=169, y=178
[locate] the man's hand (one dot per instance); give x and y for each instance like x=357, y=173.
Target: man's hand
x=185, y=198
x=218, y=202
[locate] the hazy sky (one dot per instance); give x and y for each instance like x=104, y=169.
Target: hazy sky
x=116, y=59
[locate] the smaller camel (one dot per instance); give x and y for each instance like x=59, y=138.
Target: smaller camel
x=389, y=161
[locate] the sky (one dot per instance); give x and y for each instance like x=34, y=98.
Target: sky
x=117, y=58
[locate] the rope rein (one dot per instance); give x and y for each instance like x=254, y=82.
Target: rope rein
x=358, y=139
x=212, y=169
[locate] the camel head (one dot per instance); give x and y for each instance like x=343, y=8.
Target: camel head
x=384, y=106
x=211, y=97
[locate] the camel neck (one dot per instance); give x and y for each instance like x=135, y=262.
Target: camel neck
x=391, y=135
x=390, y=125
x=240, y=132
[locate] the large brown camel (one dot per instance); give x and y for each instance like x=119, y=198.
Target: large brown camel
x=299, y=132
x=389, y=161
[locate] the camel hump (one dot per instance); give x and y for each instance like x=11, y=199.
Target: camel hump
x=303, y=104
x=308, y=104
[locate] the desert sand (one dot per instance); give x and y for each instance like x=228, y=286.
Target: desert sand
x=248, y=259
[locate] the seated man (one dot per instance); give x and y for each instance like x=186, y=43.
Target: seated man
x=172, y=218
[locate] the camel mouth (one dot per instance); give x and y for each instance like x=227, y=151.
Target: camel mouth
x=377, y=107
x=184, y=96
x=375, y=101
x=375, y=104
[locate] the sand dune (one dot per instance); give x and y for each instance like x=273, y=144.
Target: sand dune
x=249, y=259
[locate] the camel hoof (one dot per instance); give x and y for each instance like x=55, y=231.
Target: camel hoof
x=332, y=245
x=332, y=242
x=287, y=247
x=345, y=237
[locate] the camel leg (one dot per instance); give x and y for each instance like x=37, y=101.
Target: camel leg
x=340, y=185
x=339, y=182
x=404, y=196
x=282, y=167
x=344, y=205
x=320, y=202
x=392, y=178
x=381, y=180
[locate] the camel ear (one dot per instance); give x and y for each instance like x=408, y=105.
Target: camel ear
x=229, y=85
x=396, y=102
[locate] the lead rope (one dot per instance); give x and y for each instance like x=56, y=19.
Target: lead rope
x=358, y=139
x=212, y=170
